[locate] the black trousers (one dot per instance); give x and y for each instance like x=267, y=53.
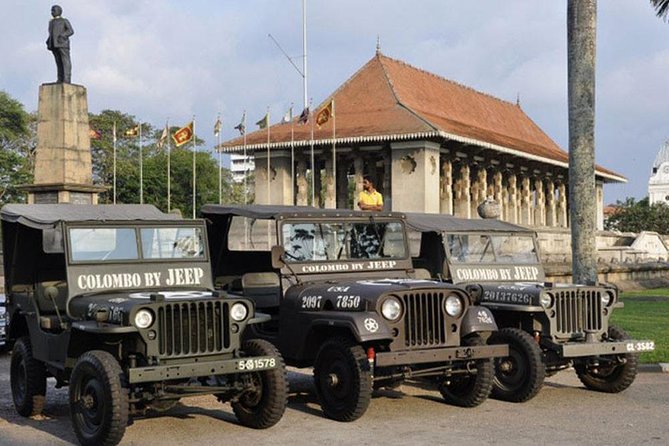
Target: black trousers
x=64, y=64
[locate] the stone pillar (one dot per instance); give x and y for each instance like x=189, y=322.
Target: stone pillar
x=446, y=188
x=302, y=184
x=599, y=192
x=343, y=166
x=358, y=173
x=63, y=166
x=415, y=176
x=562, y=206
x=329, y=200
x=479, y=190
x=540, y=203
x=462, y=196
x=318, y=185
x=551, y=217
x=387, y=183
x=279, y=178
x=497, y=190
x=525, y=211
x=512, y=215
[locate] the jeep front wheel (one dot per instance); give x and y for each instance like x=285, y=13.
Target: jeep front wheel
x=98, y=399
x=612, y=377
x=519, y=376
x=471, y=389
x=343, y=379
x=28, y=379
x=264, y=405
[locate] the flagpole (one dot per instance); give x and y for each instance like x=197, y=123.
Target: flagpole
x=292, y=158
x=334, y=153
x=269, y=176
x=245, y=161
x=169, y=166
x=220, y=171
x=141, y=167
x=114, y=162
x=313, y=170
x=304, y=49
x=194, y=167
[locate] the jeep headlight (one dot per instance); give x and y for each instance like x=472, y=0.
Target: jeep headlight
x=453, y=306
x=238, y=312
x=546, y=300
x=391, y=308
x=606, y=299
x=143, y=318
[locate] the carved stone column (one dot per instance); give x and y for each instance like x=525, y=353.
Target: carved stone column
x=562, y=206
x=540, y=203
x=478, y=191
x=497, y=190
x=512, y=215
x=302, y=184
x=462, y=193
x=358, y=166
x=415, y=174
x=525, y=193
x=551, y=220
x=329, y=200
x=318, y=185
x=343, y=167
x=446, y=188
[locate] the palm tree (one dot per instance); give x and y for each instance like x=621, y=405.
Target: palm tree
x=581, y=39
x=661, y=8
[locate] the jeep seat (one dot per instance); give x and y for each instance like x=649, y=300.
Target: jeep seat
x=263, y=288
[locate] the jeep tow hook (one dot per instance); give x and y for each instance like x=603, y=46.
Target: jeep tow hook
x=371, y=358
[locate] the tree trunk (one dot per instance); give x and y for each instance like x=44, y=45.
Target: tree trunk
x=581, y=33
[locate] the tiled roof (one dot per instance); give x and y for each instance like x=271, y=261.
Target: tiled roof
x=388, y=99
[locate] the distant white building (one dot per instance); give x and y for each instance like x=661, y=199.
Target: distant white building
x=658, y=184
x=240, y=166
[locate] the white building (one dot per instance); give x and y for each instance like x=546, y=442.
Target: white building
x=658, y=184
x=239, y=166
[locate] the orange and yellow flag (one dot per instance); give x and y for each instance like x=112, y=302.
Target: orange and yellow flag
x=324, y=114
x=183, y=135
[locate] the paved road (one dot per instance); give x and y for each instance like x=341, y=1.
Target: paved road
x=563, y=413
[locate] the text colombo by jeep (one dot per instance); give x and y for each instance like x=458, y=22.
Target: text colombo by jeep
x=118, y=303
x=548, y=327
x=337, y=286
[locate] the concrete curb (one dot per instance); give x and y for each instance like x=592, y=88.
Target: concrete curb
x=661, y=367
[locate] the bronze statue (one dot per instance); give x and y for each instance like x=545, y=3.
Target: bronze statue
x=58, y=43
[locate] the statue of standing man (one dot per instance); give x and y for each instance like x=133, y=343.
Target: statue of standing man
x=58, y=43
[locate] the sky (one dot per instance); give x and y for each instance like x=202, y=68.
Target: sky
x=175, y=59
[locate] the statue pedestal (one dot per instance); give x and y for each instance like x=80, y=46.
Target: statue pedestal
x=63, y=166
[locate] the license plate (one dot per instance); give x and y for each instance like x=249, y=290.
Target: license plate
x=645, y=346
x=251, y=364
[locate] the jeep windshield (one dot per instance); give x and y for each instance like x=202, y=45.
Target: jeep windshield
x=323, y=241
x=491, y=248
x=118, y=244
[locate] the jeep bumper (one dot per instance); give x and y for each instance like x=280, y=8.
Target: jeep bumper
x=580, y=349
x=438, y=355
x=196, y=369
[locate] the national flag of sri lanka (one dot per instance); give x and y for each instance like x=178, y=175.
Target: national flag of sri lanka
x=264, y=122
x=183, y=135
x=134, y=131
x=94, y=134
x=324, y=115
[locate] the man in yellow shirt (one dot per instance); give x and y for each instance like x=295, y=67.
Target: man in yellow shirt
x=370, y=199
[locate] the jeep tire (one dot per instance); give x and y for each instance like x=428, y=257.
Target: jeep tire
x=519, y=376
x=98, y=399
x=28, y=379
x=343, y=379
x=611, y=378
x=469, y=390
x=263, y=407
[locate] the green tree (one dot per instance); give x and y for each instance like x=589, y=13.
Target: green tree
x=17, y=147
x=637, y=216
x=661, y=8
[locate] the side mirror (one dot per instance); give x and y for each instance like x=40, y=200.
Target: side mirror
x=277, y=256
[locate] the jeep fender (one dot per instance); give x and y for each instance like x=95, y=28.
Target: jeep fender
x=364, y=326
x=477, y=319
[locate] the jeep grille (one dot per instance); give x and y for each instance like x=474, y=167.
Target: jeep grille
x=424, y=321
x=193, y=328
x=578, y=311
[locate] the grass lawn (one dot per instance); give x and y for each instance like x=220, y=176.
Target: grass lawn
x=646, y=316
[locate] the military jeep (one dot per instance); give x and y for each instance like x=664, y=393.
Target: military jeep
x=337, y=285
x=118, y=303
x=548, y=327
